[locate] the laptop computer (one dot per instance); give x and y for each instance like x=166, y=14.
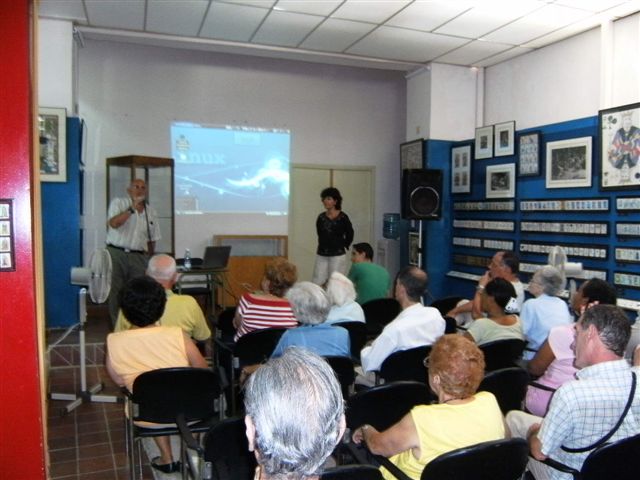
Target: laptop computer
x=216, y=258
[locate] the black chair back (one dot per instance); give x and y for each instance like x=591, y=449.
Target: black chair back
x=502, y=353
x=357, y=336
x=352, y=472
x=160, y=395
x=226, y=451
x=257, y=346
x=378, y=313
x=451, y=326
x=343, y=367
x=445, y=305
x=509, y=385
x=406, y=365
x=224, y=323
x=385, y=405
x=619, y=460
x=495, y=460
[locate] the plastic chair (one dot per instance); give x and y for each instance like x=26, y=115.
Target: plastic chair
x=451, y=326
x=352, y=472
x=445, y=305
x=405, y=365
x=509, y=385
x=496, y=460
x=378, y=313
x=617, y=460
x=502, y=353
x=357, y=336
x=343, y=367
x=226, y=452
x=173, y=396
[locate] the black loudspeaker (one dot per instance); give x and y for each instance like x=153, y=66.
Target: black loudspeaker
x=421, y=194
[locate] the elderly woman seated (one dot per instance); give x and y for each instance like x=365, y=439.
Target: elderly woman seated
x=461, y=418
x=498, y=325
x=269, y=308
x=546, y=310
x=149, y=346
x=342, y=295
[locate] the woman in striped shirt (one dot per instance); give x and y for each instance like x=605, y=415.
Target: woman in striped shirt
x=268, y=308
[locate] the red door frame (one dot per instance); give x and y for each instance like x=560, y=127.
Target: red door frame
x=22, y=441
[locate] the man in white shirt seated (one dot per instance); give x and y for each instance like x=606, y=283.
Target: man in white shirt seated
x=415, y=326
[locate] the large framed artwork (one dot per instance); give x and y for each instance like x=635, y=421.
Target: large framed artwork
x=52, y=130
x=529, y=154
x=568, y=163
x=461, y=169
x=501, y=181
x=484, y=142
x=504, y=139
x=412, y=154
x=619, y=140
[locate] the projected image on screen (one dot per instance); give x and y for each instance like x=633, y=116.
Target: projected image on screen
x=230, y=169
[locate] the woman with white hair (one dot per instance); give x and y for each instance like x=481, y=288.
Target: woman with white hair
x=342, y=295
x=311, y=306
x=546, y=310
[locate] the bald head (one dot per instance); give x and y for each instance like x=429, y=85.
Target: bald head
x=414, y=281
x=162, y=268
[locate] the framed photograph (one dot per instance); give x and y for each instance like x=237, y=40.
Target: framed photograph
x=501, y=181
x=52, y=130
x=484, y=142
x=569, y=163
x=461, y=169
x=412, y=154
x=529, y=154
x=414, y=248
x=504, y=139
x=619, y=139
x=7, y=250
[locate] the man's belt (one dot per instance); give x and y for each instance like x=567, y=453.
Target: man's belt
x=126, y=250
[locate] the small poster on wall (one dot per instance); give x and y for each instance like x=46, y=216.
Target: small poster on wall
x=620, y=147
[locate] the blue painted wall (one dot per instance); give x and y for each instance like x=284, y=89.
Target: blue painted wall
x=61, y=236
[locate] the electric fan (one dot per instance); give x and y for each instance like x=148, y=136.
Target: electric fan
x=97, y=277
x=558, y=259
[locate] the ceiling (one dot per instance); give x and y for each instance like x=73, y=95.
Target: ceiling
x=389, y=34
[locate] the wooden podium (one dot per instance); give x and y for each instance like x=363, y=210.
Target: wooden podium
x=249, y=255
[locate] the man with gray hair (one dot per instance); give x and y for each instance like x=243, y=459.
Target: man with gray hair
x=311, y=306
x=294, y=415
x=540, y=314
x=181, y=310
x=602, y=405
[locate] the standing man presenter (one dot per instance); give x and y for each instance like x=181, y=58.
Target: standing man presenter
x=132, y=233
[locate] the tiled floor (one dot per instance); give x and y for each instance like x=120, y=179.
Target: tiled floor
x=87, y=443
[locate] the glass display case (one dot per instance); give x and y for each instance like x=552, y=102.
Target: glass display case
x=157, y=172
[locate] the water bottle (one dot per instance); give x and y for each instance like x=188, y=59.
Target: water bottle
x=391, y=225
x=187, y=259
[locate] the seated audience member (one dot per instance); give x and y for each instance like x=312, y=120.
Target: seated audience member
x=499, y=325
x=505, y=265
x=415, y=326
x=546, y=310
x=148, y=346
x=181, y=310
x=462, y=417
x=553, y=362
x=591, y=410
x=370, y=279
x=342, y=296
x=311, y=306
x=269, y=308
x=294, y=416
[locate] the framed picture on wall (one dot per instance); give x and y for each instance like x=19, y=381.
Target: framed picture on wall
x=504, y=139
x=52, y=130
x=529, y=154
x=461, y=169
x=412, y=154
x=619, y=140
x=501, y=181
x=414, y=248
x=484, y=142
x=569, y=163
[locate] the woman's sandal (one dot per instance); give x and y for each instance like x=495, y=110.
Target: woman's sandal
x=165, y=467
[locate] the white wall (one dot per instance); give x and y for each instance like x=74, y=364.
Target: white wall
x=129, y=94
x=55, y=64
x=626, y=64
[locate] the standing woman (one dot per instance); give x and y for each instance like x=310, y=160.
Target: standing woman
x=335, y=235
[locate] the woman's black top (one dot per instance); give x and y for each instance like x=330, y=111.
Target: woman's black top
x=334, y=236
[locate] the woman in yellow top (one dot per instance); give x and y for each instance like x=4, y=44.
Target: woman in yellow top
x=461, y=417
